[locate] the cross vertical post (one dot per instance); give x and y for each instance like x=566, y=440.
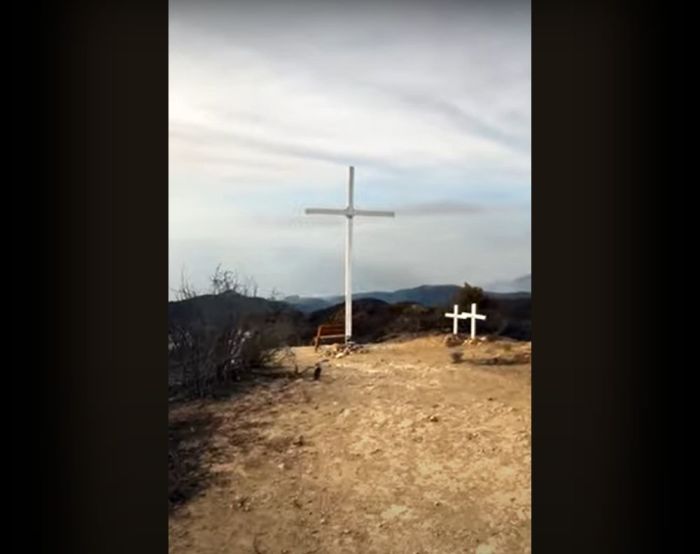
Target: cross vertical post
x=349, y=212
x=455, y=316
x=348, y=258
x=474, y=316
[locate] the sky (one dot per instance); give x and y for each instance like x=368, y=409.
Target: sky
x=269, y=103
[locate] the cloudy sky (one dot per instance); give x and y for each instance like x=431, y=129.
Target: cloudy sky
x=270, y=103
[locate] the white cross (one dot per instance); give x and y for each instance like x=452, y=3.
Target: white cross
x=349, y=212
x=455, y=316
x=474, y=316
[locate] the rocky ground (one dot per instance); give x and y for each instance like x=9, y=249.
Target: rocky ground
x=412, y=446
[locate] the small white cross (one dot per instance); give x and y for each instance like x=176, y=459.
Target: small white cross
x=455, y=316
x=473, y=316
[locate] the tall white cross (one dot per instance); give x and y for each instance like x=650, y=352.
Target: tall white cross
x=456, y=316
x=349, y=212
x=474, y=316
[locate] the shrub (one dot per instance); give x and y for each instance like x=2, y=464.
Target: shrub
x=207, y=351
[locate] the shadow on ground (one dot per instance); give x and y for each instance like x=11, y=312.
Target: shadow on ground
x=502, y=360
x=193, y=424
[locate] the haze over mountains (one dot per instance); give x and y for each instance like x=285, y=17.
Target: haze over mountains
x=426, y=295
x=521, y=284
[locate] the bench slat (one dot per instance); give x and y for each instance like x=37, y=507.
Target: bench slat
x=329, y=331
x=324, y=330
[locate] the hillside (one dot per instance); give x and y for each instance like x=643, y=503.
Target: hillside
x=220, y=309
x=426, y=295
x=229, y=310
x=374, y=319
x=307, y=304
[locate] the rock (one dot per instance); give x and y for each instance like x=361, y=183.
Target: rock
x=282, y=466
x=451, y=340
x=434, y=418
x=299, y=441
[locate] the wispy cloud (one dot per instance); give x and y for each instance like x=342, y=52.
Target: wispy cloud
x=468, y=122
x=427, y=209
x=209, y=136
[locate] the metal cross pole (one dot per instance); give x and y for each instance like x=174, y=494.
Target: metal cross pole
x=349, y=212
x=474, y=316
x=455, y=316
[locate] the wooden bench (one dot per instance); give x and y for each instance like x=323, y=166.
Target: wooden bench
x=329, y=331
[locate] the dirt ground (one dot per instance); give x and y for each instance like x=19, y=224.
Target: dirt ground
x=398, y=449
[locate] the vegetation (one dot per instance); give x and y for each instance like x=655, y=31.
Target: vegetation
x=218, y=337
x=468, y=295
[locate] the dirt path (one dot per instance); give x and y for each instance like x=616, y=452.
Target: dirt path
x=395, y=450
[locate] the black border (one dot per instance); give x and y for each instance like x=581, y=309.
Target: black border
x=101, y=74
x=600, y=433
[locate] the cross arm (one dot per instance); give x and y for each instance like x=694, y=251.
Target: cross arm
x=349, y=212
x=378, y=213
x=325, y=211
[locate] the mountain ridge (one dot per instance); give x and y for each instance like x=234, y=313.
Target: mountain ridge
x=426, y=295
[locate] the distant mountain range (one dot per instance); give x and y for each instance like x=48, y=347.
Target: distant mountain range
x=426, y=295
